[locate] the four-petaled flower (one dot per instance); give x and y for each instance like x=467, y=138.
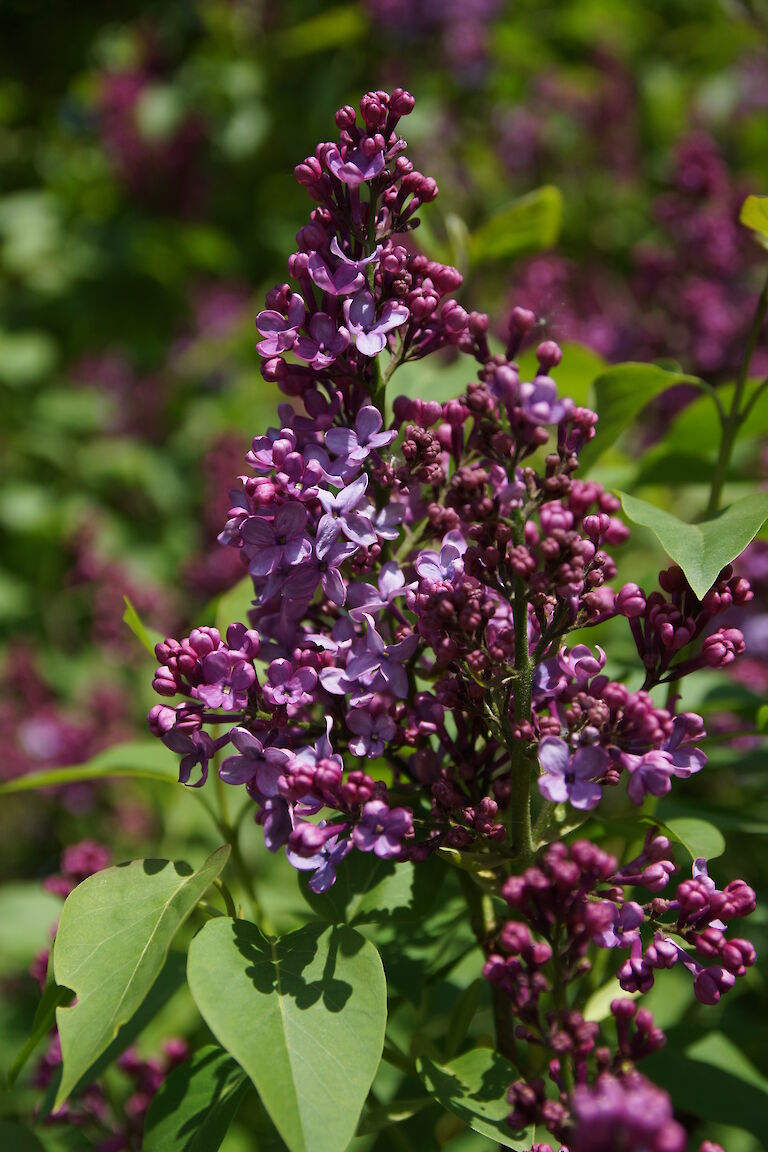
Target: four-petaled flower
x=259, y=765
x=356, y=444
x=386, y=659
x=372, y=733
x=382, y=829
x=279, y=541
x=228, y=678
x=288, y=686
x=342, y=514
x=571, y=777
x=325, y=341
x=280, y=331
x=369, y=331
x=355, y=167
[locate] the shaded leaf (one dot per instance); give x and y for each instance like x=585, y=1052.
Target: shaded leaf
x=15, y=1138
x=315, y=1006
x=619, y=395
x=369, y=889
x=45, y=1014
x=195, y=1104
x=528, y=224
x=114, y=935
x=474, y=1087
x=703, y=549
x=385, y=1115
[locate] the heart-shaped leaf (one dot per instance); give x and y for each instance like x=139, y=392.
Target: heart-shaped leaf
x=698, y=837
x=474, y=1087
x=619, y=395
x=113, y=939
x=702, y=550
x=196, y=1104
x=303, y=1015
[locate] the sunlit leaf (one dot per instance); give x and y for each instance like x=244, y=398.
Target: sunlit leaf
x=195, y=1104
x=528, y=224
x=474, y=1087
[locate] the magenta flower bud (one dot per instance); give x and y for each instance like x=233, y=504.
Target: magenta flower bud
x=721, y=648
x=548, y=355
x=712, y=983
x=630, y=601
x=596, y=526
x=401, y=102
x=738, y=955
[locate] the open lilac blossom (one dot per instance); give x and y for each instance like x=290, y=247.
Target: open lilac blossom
x=279, y=541
x=649, y=775
x=227, y=679
x=323, y=863
x=280, y=331
x=258, y=765
x=358, y=443
x=355, y=167
x=385, y=659
x=382, y=829
x=540, y=402
x=622, y=926
x=372, y=732
x=343, y=280
x=445, y=565
x=368, y=330
x=364, y=598
x=342, y=512
x=324, y=344
x=289, y=687
x=194, y=748
x=324, y=568
x=571, y=777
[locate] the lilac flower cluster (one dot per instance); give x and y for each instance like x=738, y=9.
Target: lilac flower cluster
x=574, y=901
x=403, y=677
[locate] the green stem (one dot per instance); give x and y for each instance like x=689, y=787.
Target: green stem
x=520, y=795
x=736, y=416
x=229, y=903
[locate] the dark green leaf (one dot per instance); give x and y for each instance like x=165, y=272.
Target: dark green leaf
x=702, y=550
x=43, y=1021
x=137, y=759
x=385, y=1115
x=335, y=28
x=303, y=1015
x=14, y=1138
x=370, y=889
x=619, y=396
x=527, y=225
x=114, y=935
x=474, y=1087
x=196, y=1104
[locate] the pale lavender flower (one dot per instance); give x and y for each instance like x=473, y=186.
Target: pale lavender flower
x=368, y=330
x=289, y=686
x=342, y=514
x=540, y=402
x=364, y=598
x=386, y=659
x=356, y=444
x=278, y=541
x=569, y=777
x=355, y=167
x=650, y=774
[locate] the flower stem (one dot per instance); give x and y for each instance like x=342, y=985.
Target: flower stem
x=520, y=795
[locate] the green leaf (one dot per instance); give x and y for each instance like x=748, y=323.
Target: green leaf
x=474, y=1088
x=754, y=215
x=703, y=549
x=196, y=1104
x=139, y=628
x=619, y=395
x=698, y=837
x=303, y=1015
x=528, y=224
x=114, y=935
x=137, y=759
x=335, y=28
x=385, y=1115
x=370, y=889
x=14, y=1138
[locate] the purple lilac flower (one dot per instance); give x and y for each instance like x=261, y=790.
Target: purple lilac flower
x=278, y=541
x=445, y=565
x=579, y=663
x=364, y=598
x=324, y=344
x=355, y=445
x=194, y=748
x=569, y=777
x=355, y=167
x=280, y=331
x=386, y=659
x=540, y=403
x=259, y=765
x=372, y=732
x=323, y=568
x=368, y=331
x=227, y=679
x=650, y=774
x=323, y=863
x=623, y=927
x=289, y=687
x=627, y=1113
x=342, y=514
x=346, y=278
x=382, y=829
x=685, y=761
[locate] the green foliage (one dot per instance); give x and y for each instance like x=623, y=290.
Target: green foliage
x=136, y=759
x=139, y=628
x=315, y=1003
x=754, y=215
x=369, y=889
x=703, y=549
x=113, y=939
x=18, y=1139
x=32, y=912
x=529, y=224
x=195, y=1104
x=698, y=837
x=473, y=1086
x=619, y=395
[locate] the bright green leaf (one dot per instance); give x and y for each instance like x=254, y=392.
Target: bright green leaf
x=33, y=912
x=303, y=1015
x=754, y=215
x=529, y=224
x=137, y=759
x=334, y=28
x=139, y=628
x=702, y=550
x=698, y=837
x=196, y=1104
x=619, y=396
x=474, y=1088
x=114, y=935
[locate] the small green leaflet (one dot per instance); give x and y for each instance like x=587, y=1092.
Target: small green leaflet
x=474, y=1087
x=528, y=224
x=754, y=215
x=139, y=628
x=703, y=549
